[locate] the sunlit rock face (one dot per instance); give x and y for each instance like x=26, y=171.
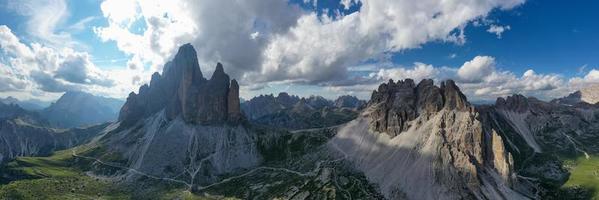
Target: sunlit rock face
x=540, y=134
x=426, y=142
x=396, y=104
x=588, y=95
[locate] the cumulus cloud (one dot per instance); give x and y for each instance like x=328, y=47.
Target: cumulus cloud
x=490, y=83
x=272, y=40
x=592, y=77
x=35, y=69
x=477, y=69
x=318, y=48
x=231, y=32
x=498, y=30
x=418, y=72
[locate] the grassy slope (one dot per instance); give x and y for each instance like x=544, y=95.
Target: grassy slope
x=54, y=177
x=584, y=173
x=61, y=176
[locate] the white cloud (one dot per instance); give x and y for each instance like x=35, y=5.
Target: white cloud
x=319, y=48
x=122, y=12
x=292, y=45
x=477, y=69
x=228, y=31
x=348, y=3
x=490, y=82
x=418, y=72
x=29, y=70
x=10, y=44
x=498, y=30
x=592, y=76
x=43, y=18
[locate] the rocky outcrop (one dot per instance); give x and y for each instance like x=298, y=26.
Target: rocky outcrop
x=502, y=159
x=347, y=101
x=590, y=94
x=427, y=142
x=233, y=102
x=587, y=95
x=539, y=133
x=182, y=91
x=396, y=104
x=286, y=100
x=516, y=103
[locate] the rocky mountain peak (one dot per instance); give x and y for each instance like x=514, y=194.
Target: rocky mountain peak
x=348, y=101
x=590, y=94
x=517, y=102
x=454, y=98
x=395, y=104
x=587, y=95
x=183, y=91
x=287, y=100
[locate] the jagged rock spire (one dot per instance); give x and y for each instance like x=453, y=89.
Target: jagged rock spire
x=233, y=106
x=182, y=91
x=395, y=104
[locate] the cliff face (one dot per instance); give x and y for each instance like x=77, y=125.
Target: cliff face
x=183, y=125
x=540, y=134
x=396, y=104
x=183, y=91
x=426, y=142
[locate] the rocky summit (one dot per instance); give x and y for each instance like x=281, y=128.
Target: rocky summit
x=182, y=91
x=426, y=142
x=396, y=104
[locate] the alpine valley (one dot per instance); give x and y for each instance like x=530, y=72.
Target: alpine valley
x=186, y=136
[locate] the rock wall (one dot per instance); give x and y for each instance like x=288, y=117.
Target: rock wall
x=426, y=142
x=183, y=91
x=396, y=104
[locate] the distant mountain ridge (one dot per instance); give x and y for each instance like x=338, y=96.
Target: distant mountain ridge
x=31, y=104
x=74, y=109
x=589, y=95
x=292, y=112
x=26, y=133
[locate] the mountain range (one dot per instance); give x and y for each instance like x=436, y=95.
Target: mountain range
x=31, y=104
x=185, y=136
x=292, y=112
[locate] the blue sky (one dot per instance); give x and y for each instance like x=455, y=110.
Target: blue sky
x=269, y=45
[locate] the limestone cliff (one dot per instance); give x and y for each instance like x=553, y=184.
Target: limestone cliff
x=426, y=142
x=182, y=90
x=183, y=126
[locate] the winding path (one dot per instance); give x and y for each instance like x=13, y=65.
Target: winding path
x=189, y=185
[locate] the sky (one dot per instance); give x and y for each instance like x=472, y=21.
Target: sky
x=491, y=48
